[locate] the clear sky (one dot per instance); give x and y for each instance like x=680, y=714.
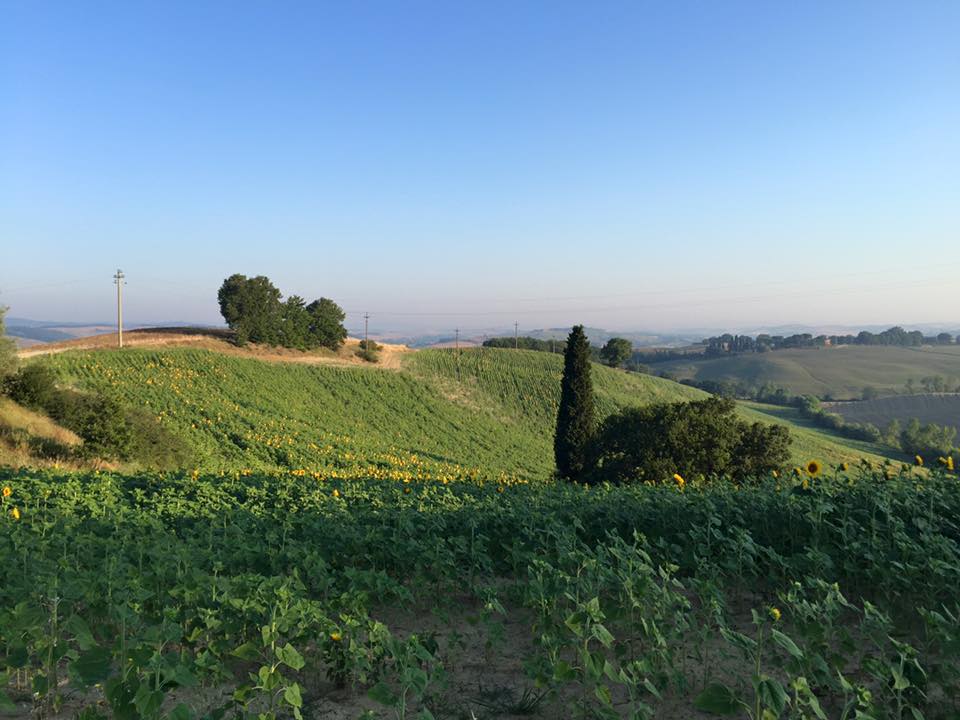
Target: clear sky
x=627, y=165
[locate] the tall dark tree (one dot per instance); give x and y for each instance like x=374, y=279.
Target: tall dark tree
x=326, y=323
x=575, y=417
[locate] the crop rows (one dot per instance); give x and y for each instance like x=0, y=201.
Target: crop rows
x=195, y=596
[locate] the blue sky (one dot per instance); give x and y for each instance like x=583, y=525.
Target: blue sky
x=627, y=165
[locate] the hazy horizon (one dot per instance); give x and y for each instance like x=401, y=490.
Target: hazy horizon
x=624, y=166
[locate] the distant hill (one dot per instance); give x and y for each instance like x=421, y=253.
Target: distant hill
x=939, y=408
x=30, y=332
x=839, y=372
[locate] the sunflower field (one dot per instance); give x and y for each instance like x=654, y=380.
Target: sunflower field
x=829, y=592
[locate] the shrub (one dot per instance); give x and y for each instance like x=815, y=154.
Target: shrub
x=99, y=421
x=152, y=445
x=33, y=386
x=369, y=351
x=695, y=438
x=8, y=349
x=930, y=440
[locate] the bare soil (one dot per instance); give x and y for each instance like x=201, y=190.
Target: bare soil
x=220, y=341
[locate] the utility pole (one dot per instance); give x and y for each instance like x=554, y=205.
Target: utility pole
x=457, y=354
x=516, y=336
x=366, y=325
x=118, y=279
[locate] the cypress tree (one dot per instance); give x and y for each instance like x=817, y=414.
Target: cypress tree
x=575, y=422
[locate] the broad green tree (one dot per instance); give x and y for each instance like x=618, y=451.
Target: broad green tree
x=651, y=443
x=575, y=416
x=252, y=309
x=616, y=352
x=326, y=323
x=295, y=324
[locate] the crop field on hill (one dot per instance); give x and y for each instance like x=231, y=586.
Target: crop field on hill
x=495, y=421
x=810, y=441
x=841, y=372
x=939, y=408
x=186, y=596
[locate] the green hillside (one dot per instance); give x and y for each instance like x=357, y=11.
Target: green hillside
x=810, y=441
x=840, y=372
x=495, y=421
x=940, y=408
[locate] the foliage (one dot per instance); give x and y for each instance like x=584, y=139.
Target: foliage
x=369, y=350
x=526, y=343
x=108, y=429
x=731, y=344
x=8, y=349
x=143, y=595
x=34, y=386
x=928, y=440
x=575, y=414
x=326, y=323
x=700, y=438
x=253, y=309
x=616, y=352
x=100, y=422
x=486, y=411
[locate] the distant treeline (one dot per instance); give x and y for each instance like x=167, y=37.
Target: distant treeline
x=616, y=353
x=731, y=344
x=527, y=343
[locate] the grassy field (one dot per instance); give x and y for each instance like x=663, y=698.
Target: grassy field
x=940, y=408
x=811, y=441
x=495, y=421
x=32, y=439
x=841, y=372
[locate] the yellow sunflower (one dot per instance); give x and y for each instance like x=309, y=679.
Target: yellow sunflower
x=7, y=491
x=813, y=468
x=918, y=461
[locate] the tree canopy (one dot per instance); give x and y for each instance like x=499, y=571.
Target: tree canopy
x=704, y=437
x=255, y=311
x=616, y=352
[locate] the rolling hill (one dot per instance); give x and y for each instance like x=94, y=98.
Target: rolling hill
x=489, y=414
x=940, y=408
x=839, y=372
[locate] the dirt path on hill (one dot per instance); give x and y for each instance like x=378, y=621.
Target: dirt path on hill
x=217, y=340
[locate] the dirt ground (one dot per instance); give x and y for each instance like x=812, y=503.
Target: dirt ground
x=219, y=341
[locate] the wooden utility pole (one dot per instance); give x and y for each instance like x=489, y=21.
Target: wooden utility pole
x=457, y=354
x=118, y=279
x=366, y=325
x=516, y=336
